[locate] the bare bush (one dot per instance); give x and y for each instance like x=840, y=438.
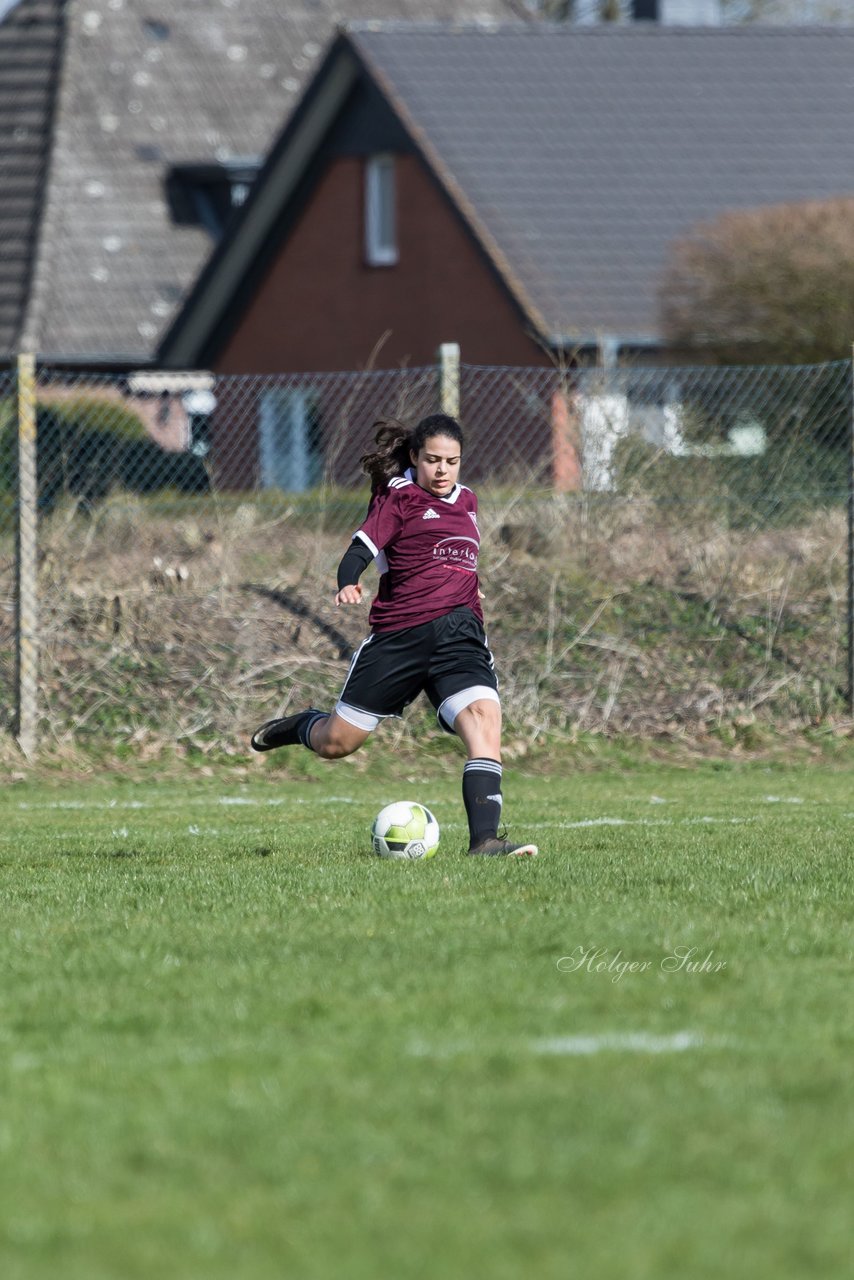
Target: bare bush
x=773, y=285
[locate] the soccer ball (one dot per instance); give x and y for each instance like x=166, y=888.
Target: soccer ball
x=405, y=830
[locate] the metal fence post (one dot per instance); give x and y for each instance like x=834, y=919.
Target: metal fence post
x=449, y=379
x=850, y=591
x=26, y=563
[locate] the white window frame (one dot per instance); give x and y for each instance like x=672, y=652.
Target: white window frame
x=380, y=211
x=288, y=461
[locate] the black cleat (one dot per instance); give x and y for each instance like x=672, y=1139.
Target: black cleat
x=281, y=733
x=492, y=847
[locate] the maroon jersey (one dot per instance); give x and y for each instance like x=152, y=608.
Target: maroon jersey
x=426, y=552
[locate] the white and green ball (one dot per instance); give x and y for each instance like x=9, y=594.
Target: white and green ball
x=405, y=830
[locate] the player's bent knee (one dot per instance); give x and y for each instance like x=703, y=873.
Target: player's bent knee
x=468, y=706
x=481, y=713
x=334, y=738
x=486, y=710
x=335, y=750
x=479, y=727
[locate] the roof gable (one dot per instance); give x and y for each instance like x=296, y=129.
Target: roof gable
x=146, y=87
x=30, y=49
x=586, y=152
x=577, y=155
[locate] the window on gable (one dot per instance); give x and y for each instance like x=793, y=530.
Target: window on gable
x=206, y=194
x=380, y=213
x=155, y=29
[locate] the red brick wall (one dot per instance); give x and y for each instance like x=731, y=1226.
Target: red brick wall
x=321, y=308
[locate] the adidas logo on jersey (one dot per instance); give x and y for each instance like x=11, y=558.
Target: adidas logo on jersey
x=430, y=514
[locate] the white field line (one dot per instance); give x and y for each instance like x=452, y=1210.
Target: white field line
x=628, y=822
x=236, y=801
x=188, y=1055
x=122, y=833
x=689, y=821
x=162, y=807
x=247, y=800
x=560, y=1046
x=577, y=1046
x=278, y=801
x=134, y=833
x=619, y=1042
x=13, y=837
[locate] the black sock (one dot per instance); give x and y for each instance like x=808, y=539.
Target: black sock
x=304, y=730
x=482, y=798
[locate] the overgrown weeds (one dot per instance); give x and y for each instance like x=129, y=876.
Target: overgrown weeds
x=177, y=629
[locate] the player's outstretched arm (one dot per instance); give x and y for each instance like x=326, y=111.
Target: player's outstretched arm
x=356, y=559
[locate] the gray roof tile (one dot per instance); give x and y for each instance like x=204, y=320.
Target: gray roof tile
x=30, y=43
x=197, y=79
x=584, y=152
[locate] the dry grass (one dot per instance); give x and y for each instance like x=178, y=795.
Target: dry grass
x=615, y=619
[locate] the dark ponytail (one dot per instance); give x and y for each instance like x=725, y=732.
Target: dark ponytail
x=395, y=441
x=391, y=456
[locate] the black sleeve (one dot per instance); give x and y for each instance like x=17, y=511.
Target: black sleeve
x=356, y=559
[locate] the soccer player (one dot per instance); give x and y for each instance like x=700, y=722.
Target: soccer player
x=426, y=621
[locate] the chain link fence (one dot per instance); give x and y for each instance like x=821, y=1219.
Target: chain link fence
x=666, y=549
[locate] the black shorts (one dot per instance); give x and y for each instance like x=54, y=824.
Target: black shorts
x=448, y=659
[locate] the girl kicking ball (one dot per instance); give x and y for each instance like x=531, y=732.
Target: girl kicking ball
x=426, y=621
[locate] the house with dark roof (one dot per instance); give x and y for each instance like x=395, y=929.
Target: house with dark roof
x=30, y=49
x=514, y=190
x=130, y=132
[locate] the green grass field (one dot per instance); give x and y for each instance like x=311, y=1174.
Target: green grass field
x=234, y=1044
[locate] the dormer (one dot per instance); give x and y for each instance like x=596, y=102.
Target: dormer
x=678, y=13
x=206, y=193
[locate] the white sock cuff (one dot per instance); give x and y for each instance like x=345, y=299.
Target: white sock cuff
x=483, y=765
